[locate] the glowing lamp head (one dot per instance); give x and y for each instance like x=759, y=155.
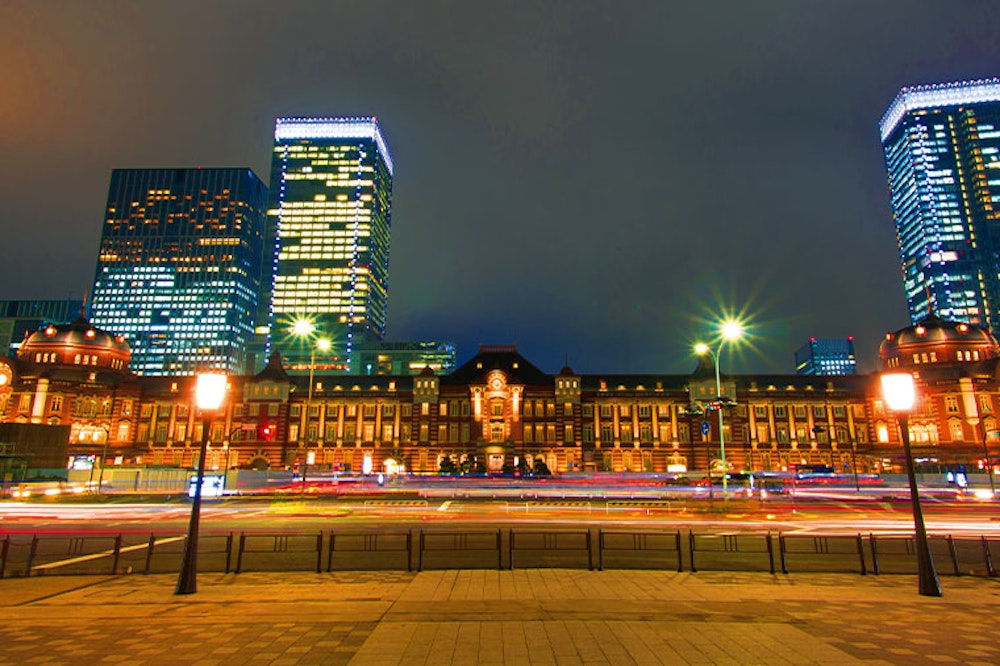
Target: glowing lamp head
x=701, y=349
x=899, y=391
x=210, y=390
x=303, y=327
x=323, y=344
x=732, y=330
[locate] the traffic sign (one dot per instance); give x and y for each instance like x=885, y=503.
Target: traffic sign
x=705, y=428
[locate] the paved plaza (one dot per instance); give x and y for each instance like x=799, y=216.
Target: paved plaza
x=531, y=616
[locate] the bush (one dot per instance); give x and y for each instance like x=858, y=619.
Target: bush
x=541, y=469
x=447, y=466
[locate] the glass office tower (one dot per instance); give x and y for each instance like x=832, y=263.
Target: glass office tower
x=826, y=356
x=329, y=213
x=180, y=267
x=18, y=319
x=942, y=151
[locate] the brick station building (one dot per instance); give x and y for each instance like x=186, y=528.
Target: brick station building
x=499, y=409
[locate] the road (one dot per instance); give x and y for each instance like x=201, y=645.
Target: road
x=821, y=512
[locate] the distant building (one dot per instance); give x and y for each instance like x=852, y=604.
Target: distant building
x=180, y=266
x=942, y=152
x=18, y=319
x=501, y=412
x=403, y=358
x=329, y=224
x=828, y=356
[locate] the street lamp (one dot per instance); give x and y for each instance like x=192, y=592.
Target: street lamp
x=986, y=461
x=104, y=457
x=323, y=344
x=210, y=391
x=694, y=411
x=900, y=395
x=854, y=462
x=731, y=330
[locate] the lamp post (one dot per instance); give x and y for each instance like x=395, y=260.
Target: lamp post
x=209, y=393
x=986, y=462
x=104, y=457
x=900, y=395
x=854, y=463
x=731, y=330
x=694, y=411
x=323, y=345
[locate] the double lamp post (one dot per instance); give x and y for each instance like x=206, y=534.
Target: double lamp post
x=731, y=330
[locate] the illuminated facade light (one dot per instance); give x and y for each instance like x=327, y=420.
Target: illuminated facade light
x=179, y=268
x=328, y=236
x=942, y=153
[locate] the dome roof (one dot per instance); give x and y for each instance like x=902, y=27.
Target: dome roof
x=78, y=343
x=935, y=340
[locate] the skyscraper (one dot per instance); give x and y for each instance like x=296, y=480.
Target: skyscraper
x=942, y=151
x=18, y=319
x=180, y=266
x=826, y=356
x=329, y=214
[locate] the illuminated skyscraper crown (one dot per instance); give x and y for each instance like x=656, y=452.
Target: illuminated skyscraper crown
x=332, y=128
x=936, y=96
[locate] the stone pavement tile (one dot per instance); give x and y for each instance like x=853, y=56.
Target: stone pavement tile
x=488, y=616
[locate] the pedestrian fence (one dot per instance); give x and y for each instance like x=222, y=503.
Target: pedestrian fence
x=593, y=548
x=473, y=547
x=550, y=548
x=368, y=550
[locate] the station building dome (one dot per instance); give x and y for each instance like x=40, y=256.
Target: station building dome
x=76, y=344
x=934, y=341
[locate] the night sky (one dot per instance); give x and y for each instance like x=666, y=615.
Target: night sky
x=597, y=181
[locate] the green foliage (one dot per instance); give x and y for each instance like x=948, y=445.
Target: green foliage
x=541, y=469
x=472, y=465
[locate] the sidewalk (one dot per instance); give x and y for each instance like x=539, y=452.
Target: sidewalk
x=531, y=616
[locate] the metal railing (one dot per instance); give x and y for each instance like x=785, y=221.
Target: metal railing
x=595, y=548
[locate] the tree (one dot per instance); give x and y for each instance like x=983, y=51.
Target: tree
x=541, y=469
x=471, y=465
x=447, y=466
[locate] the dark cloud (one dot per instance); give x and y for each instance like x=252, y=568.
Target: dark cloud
x=590, y=179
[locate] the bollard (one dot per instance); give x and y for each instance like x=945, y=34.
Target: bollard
x=3, y=555
x=117, y=554
x=783, y=553
x=770, y=552
x=691, y=548
x=239, y=553
x=149, y=553
x=409, y=551
x=954, y=555
x=31, y=554
x=319, y=552
x=600, y=549
x=861, y=555
x=990, y=571
x=680, y=551
x=229, y=550
x=420, y=552
x=871, y=540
